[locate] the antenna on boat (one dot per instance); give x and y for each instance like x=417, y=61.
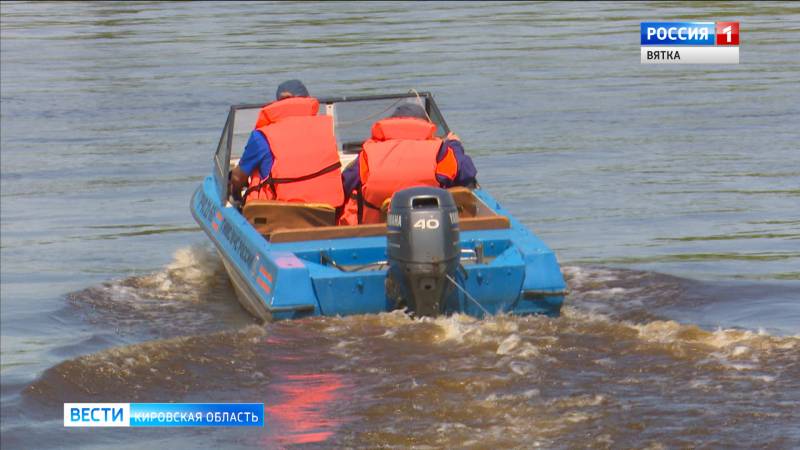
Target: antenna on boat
x=372, y=116
x=385, y=110
x=419, y=100
x=467, y=294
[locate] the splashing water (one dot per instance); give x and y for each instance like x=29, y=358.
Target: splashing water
x=608, y=368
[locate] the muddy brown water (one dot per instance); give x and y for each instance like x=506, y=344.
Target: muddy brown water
x=668, y=193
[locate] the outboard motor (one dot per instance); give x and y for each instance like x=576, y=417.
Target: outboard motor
x=422, y=248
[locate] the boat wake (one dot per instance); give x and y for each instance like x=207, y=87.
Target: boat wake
x=190, y=295
x=192, y=273
x=611, y=367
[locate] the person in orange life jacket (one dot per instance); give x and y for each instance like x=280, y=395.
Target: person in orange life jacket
x=291, y=154
x=403, y=152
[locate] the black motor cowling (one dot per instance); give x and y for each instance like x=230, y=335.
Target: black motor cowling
x=422, y=248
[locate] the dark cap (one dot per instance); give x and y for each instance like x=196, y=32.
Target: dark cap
x=294, y=88
x=410, y=110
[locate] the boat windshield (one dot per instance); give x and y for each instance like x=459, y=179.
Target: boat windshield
x=352, y=116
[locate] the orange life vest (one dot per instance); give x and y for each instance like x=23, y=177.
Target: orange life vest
x=306, y=165
x=400, y=154
x=292, y=106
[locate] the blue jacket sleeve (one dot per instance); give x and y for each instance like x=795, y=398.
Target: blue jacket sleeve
x=256, y=155
x=465, y=176
x=351, y=177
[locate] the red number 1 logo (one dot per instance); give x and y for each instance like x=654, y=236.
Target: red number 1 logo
x=727, y=33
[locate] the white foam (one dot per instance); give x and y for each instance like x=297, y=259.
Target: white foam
x=740, y=350
x=508, y=344
x=191, y=270
x=458, y=328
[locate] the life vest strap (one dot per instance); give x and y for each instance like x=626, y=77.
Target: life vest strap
x=271, y=182
x=361, y=202
x=357, y=195
x=316, y=174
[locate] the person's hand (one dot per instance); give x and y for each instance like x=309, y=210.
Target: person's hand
x=234, y=185
x=453, y=137
x=236, y=194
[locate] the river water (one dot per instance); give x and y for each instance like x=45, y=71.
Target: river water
x=671, y=195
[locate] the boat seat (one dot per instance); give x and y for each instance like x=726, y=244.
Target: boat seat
x=269, y=216
x=465, y=200
x=493, y=222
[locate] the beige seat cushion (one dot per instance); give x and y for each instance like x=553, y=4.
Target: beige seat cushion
x=465, y=200
x=268, y=216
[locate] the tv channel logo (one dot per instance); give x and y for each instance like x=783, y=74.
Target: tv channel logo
x=728, y=33
x=689, y=42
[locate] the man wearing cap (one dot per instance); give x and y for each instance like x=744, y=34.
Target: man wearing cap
x=291, y=154
x=402, y=152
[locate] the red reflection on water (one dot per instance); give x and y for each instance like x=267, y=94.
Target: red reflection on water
x=304, y=417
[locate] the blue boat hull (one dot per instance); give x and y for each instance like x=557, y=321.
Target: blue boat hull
x=519, y=275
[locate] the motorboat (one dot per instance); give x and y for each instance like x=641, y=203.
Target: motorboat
x=436, y=251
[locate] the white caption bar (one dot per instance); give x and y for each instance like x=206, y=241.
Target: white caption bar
x=689, y=55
